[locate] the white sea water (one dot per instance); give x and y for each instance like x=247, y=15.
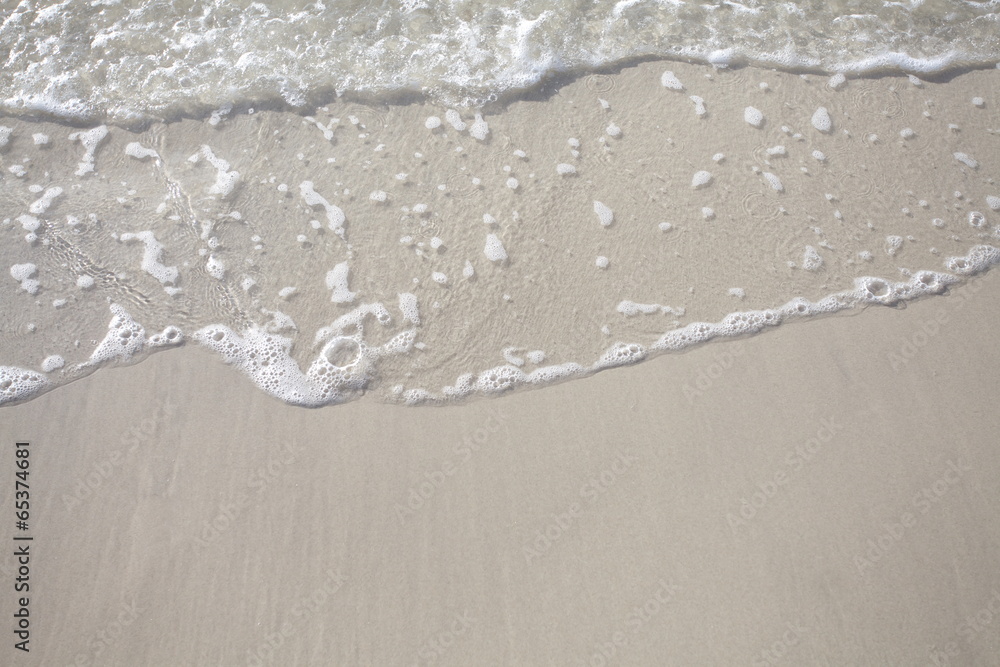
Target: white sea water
x=427, y=251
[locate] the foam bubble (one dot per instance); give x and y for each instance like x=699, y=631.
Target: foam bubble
x=774, y=181
x=90, y=140
x=151, y=257
x=907, y=133
x=336, y=280
x=408, y=307
x=439, y=278
x=978, y=102
x=432, y=123
x=18, y=384
x=23, y=273
x=753, y=116
x=479, y=129
x=613, y=130
x=215, y=267
x=602, y=262
x=5, y=133
x=837, y=81
x=494, y=249
x=455, y=120
x=821, y=120
x=811, y=260
x=604, y=213
x=124, y=340
x=699, y=106
x=993, y=202
x=52, y=362
x=966, y=160
x=41, y=205
x=564, y=169
x=140, y=152
x=335, y=217
x=701, y=179
x=84, y=282
x=670, y=81
x=468, y=271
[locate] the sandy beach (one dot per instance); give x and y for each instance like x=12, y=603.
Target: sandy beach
x=822, y=494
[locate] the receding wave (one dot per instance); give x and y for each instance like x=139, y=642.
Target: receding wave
x=123, y=61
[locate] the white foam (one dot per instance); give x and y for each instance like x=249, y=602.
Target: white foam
x=41, y=205
x=819, y=156
x=604, y=213
x=124, y=340
x=978, y=102
x=439, y=278
x=29, y=223
x=5, y=133
x=408, y=306
x=469, y=271
x=699, y=106
x=821, y=120
x=892, y=244
x=336, y=280
x=494, y=249
x=993, y=202
x=620, y=354
x=18, y=384
x=84, y=282
x=811, y=259
x=479, y=129
x=455, y=120
x=335, y=217
x=613, y=130
x=215, y=267
x=753, y=116
x=225, y=180
x=40, y=139
x=602, y=262
x=432, y=123
x=907, y=133
x=564, y=169
x=151, y=257
x=701, y=179
x=631, y=309
x=23, y=273
x=140, y=152
x=171, y=335
x=53, y=362
x=90, y=140
x=669, y=80
x=706, y=212
x=837, y=81
x=967, y=161
x=774, y=181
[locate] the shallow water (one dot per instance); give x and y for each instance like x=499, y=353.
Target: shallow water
x=426, y=252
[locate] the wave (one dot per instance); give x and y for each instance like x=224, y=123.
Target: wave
x=127, y=61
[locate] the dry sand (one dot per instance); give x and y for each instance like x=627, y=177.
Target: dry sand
x=309, y=548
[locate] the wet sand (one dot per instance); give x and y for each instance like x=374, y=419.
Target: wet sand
x=822, y=494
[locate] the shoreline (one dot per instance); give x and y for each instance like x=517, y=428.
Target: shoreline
x=598, y=519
